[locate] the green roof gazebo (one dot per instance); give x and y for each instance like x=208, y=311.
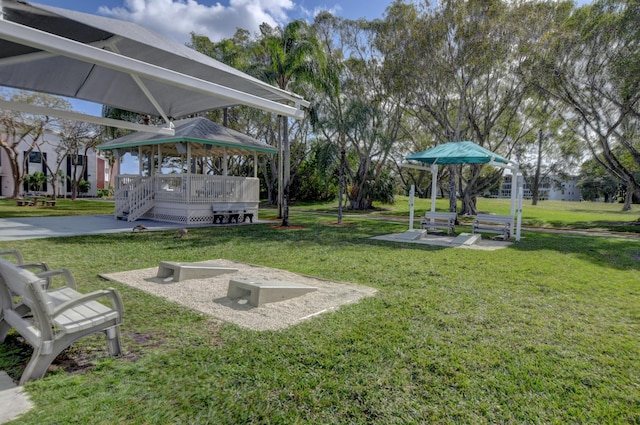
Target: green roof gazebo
x=187, y=197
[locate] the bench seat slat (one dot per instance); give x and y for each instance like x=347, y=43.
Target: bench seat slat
x=439, y=220
x=491, y=223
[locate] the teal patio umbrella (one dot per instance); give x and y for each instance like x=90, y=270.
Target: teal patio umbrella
x=463, y=153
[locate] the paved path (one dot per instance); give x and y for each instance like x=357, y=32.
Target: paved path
x=13, y=402
x=49, y=227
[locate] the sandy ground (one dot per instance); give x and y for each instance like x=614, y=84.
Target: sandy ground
x=209, y=296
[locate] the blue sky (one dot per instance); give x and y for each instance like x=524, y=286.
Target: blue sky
x=218, y=19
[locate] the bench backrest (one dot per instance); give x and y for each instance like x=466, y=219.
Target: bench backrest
x=15, y=255
x=441, y=215
x=492, y=218
x=23, y=288
x=26, y=285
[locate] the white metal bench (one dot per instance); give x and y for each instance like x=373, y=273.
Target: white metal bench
x=439, y=220
x=492, y=223
x=229, y=213
x=58, y=317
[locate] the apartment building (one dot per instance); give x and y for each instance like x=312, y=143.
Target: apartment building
x=97, y=171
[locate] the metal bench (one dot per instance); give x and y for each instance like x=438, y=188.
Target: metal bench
x=439, y=220
x=57, y=317
x=492, y=223
x=231, y=216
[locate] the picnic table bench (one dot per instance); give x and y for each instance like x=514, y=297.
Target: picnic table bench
x=24, y=202
x=230, y=214
x=439, y=220
x=50, y=320
x=492, y=223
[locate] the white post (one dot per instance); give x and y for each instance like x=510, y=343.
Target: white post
x=434, y=185
x=255, y=164
x=411, y=196
x=188, y=185
x=514, y=194
x=159, y=159
x=225, y=159
x=520, y=193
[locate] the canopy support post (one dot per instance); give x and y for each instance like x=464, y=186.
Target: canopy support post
x=255, y=164
x=520, y=194
x=514, y=195
x=434, y=185
x=412, y=193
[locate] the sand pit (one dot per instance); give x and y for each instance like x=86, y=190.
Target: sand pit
x=209, y=296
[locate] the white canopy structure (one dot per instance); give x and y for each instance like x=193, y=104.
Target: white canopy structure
x=122, y=65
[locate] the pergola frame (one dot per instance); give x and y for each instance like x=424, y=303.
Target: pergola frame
x=516, y=191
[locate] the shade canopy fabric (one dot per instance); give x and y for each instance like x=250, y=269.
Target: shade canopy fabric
x=205, y=137
x=458, y=153
x=122, y=65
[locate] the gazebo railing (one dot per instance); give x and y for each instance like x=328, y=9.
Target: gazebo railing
x=141, y=192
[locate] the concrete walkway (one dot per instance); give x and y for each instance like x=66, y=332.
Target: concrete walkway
x=13, y=402
x=51, y=227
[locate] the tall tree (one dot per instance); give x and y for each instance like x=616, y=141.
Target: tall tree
x=462, y=60
x=292, y=56
x=357, y=111
x=595, y=70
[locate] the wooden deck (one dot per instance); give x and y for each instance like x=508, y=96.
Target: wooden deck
x=184, y=198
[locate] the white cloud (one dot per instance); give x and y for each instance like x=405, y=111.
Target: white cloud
x=312, y=13
x=176, y=19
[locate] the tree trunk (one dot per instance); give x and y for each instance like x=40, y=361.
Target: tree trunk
x=341, y=184
x=469, y=204
x=536, y=178
x=628, y=197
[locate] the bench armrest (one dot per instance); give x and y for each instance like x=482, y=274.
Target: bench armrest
x=48, y=274
x=92, y=296
x=15, y=253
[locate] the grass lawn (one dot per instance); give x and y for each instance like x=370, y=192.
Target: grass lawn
x=545, y=331
x=63, y=207
x=548, y=214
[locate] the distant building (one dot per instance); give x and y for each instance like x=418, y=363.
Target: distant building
x=97, y=172
x=566, y=190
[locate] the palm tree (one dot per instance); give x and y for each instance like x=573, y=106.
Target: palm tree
x=290, y=57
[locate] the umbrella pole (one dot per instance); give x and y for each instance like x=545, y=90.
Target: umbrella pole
x=434, y=186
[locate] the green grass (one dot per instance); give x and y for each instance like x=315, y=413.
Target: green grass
x=545, y=331
x=63, y=207
x=548, y=214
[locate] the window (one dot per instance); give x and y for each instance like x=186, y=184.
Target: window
x=35, y=157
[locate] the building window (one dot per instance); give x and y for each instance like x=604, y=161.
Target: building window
x=35, y=157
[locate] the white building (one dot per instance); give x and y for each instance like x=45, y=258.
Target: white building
x=567, y=190
x=97, y=171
